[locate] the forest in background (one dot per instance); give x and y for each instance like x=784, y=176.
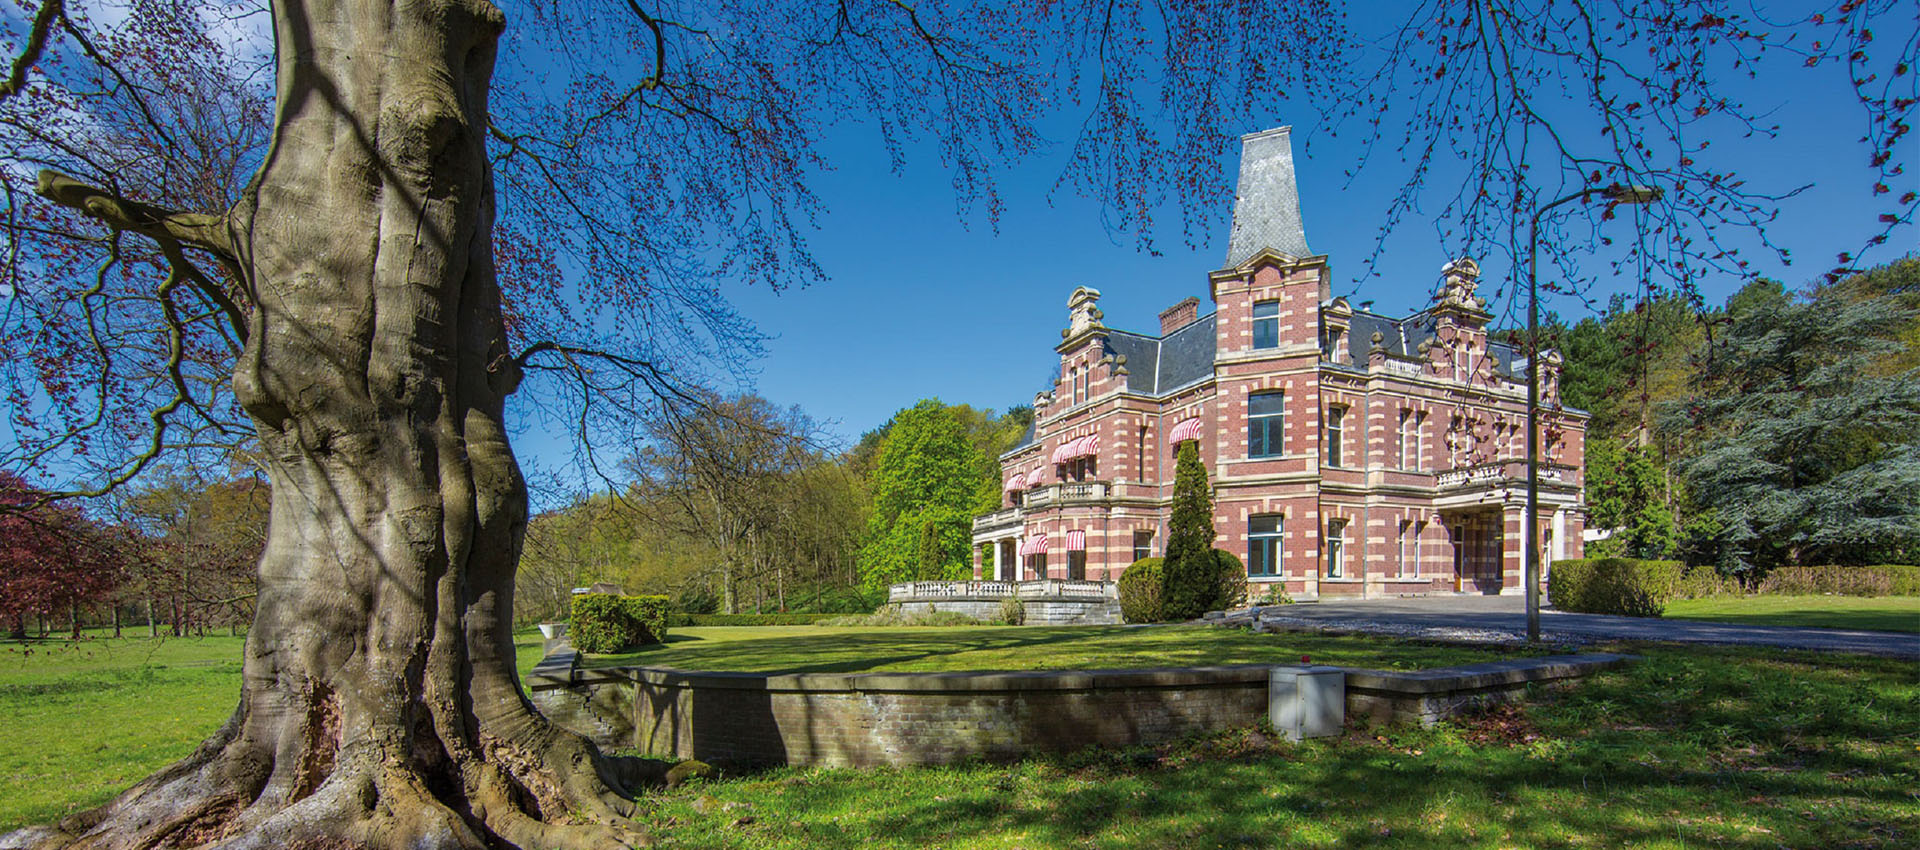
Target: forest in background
x=1778, y=428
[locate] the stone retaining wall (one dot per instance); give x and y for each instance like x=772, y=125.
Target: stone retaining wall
x=746, y=719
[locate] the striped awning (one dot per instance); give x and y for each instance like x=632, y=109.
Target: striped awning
x=1187, y=430
x=1017, y=482
x=1035, y=545
x=1061, y=454
x=1081, y=447
x=1076, y=541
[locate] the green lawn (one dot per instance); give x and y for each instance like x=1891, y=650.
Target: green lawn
x=1886, y=613
x=80, y=721
x=828, y=649
x=1694, y=747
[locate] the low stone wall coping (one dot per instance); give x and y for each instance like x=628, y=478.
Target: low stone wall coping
x=1486, y=675
x=560, y=670
x=975, y=681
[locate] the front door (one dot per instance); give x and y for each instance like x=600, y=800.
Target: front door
x=1476, y=553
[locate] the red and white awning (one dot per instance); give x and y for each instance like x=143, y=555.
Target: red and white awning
x=1081, y=447
x=1035, y=545
x=1076, y=541
x=1017, y=482
x=1187, y=430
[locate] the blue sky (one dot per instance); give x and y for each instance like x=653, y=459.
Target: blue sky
x=924, y=304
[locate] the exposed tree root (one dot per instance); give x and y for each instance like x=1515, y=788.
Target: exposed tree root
x=368, y=799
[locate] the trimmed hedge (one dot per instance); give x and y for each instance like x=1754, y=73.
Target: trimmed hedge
x=1140, y=592
x=1876, y=580
x=782, y=619
x=1624, y=586
x=605, y=622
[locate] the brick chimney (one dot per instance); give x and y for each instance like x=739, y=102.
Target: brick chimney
x=1179, y=315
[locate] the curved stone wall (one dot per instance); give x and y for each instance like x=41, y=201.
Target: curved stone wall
x=750, y=719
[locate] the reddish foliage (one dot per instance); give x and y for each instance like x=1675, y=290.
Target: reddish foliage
x=51, y=556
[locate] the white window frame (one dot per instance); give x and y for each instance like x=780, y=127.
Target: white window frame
x=1336, y=547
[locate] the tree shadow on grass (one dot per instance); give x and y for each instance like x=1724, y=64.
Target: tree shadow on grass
x=1735, y=748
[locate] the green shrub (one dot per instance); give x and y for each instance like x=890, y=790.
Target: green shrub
x=1700, y=582
x=1274, y=594
x=780, y=619
x=1013, y=612
x=1625, y=586
x=605, y=622
x=1876, y=580
x=1231, y=576
x=1140, y=592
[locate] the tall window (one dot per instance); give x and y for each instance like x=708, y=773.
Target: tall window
x=1336, y=434
x=1419, y=442
x=1336, y=548
x=1037, y=566
x=1263, y=545
x=1077, y=565
x=1140, y=458
x=1403, y=439
x=1413, y=438
x=1266, y=416
x=1266, y=324
x=1142, y=544
x=1079, y=385
x=1409, y=549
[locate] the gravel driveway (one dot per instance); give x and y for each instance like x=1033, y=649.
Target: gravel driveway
x=1502, y=619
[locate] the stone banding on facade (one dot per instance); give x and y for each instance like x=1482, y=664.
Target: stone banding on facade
x=1351, y=453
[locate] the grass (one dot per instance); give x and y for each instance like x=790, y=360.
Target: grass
x=1694, y=747
x=82, y=720
x=1884, y=613
x=834, y=649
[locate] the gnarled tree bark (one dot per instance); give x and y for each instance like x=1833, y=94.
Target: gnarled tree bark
x=380, y=705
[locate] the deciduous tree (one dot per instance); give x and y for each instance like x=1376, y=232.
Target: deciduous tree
x=413, y=242
x=924, y=494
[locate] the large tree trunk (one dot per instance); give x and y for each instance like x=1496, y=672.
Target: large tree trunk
x=380, y=706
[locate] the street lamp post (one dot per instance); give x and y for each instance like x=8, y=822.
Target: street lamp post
x=1616, y=193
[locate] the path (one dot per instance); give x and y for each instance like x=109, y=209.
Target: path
x=1503, y=619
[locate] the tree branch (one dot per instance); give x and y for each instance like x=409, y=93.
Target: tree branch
x=36, y=45
x=205, y=231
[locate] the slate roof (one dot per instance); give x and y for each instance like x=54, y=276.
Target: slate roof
x=1157, y=366
x=1266, y=206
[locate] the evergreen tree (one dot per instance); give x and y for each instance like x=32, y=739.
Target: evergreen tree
x=1190, y=572
x=1805, y=450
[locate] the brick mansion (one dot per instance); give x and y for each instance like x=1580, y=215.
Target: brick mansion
x=1350, y=453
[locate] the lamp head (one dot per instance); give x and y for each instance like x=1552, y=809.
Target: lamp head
x=1621, y=193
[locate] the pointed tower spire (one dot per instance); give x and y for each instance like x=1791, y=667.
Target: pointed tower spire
x=1266, y=209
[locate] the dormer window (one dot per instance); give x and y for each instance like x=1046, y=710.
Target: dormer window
x=1266, y=324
